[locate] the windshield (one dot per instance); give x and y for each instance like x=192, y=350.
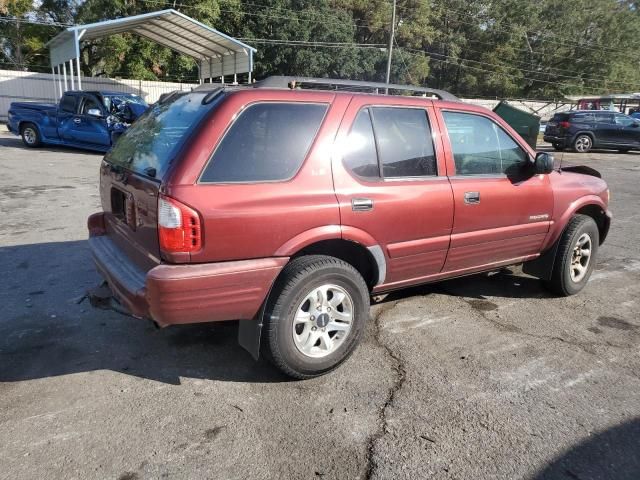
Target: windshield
x=151, y=143
x=112, y=101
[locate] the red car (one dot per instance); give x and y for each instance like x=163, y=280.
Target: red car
x=289, y=204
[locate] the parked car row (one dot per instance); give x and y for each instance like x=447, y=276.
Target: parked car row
x=288, y=208
x=583, y=130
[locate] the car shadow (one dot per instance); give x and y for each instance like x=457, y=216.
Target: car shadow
x=47, y=329
x=611, y=454
x=549, y=148
x=8, y=140
x=503, y=283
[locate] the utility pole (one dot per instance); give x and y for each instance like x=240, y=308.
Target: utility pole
x=393, y=30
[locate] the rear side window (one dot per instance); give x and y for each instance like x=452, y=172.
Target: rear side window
x=267, y=142
x=480, y=147
x=68, y=104
x=361, y=156
x=404, y=142
x=584, y=118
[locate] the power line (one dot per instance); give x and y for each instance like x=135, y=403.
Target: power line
x=429, y=54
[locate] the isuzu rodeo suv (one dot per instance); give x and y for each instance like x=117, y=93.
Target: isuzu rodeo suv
x=288, y=204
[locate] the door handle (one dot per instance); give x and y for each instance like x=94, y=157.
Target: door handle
x=76, y=120
x=361, y=204
x=471, y=197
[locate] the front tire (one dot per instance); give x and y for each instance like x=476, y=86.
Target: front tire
x=315, y=317
x=557, y=147
x=576, y=256
x=583, y=143
x=30, y=135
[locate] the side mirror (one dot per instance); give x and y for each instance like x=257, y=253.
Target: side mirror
x=543, y=163
x=94, y=112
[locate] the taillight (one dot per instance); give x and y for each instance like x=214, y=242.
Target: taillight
x=564, y=124
x=179, y=229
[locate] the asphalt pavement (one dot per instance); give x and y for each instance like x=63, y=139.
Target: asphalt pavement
x=483, y=377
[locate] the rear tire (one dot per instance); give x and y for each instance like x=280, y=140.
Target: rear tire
x=576, y=256
x=623, y=150
x=315, y=317
x=30, y=135
x=583, y=143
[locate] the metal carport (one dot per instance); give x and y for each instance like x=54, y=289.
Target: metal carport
x=217, y=54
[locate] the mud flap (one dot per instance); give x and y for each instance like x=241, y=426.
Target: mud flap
x=250, y=331
x=542, y=267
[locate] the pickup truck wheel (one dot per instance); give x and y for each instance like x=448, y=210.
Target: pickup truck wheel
x=30, y=135
x=315, y=317
x=582, y=143
x=576, y=256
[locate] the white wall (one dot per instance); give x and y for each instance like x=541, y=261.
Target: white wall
x=39, y=87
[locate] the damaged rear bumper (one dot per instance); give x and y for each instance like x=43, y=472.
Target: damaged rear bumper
x=189, y=293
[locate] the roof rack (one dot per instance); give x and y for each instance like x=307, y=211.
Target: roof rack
x=348, y=85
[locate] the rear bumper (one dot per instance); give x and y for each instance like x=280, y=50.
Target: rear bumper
x=555, y=139
x=177, y=294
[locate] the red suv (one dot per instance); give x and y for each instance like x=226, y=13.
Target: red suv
x=287, y=205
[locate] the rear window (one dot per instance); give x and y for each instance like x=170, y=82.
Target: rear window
x=560, y=117
x=152, y=142
x=68, y=103
x=267, y=142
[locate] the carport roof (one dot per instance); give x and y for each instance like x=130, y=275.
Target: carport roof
x=169, y=28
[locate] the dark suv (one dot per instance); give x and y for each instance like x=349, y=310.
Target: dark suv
x=583, y=130
x=287, y=208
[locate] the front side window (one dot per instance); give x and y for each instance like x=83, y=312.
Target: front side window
x=88, y=104
x=604, y=118
x=268, y=142
x=480, y=147
x=624, y=120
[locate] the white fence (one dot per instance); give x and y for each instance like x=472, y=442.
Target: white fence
x=18, y=86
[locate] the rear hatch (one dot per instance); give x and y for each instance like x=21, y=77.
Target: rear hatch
x=553, y=126
x=133, y=171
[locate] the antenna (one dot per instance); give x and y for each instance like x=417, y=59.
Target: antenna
x=561, y=158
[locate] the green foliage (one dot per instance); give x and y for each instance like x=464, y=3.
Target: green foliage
x=502, y=48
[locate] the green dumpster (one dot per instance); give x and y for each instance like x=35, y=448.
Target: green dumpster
x=526, y=124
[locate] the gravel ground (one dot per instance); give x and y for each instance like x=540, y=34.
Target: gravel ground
x=485, y=377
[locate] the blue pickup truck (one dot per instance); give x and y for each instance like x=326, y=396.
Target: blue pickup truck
x=89, y=120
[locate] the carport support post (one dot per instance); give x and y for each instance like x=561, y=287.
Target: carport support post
x=78, y=68
x=58, y=80
x=73, y=82
x=64, y=72
x=55, y=89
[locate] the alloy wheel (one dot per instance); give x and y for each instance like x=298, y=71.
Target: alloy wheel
x=322, y=321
